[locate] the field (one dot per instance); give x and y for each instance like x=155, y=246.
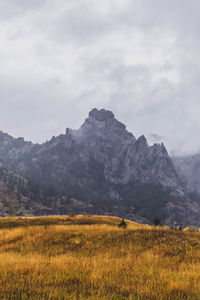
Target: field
x=90, y=257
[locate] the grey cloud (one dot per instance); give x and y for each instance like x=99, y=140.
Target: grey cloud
x=59, y=59
x=10, y=9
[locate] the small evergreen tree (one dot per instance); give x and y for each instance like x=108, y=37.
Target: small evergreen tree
x=157, y=222
x=122, y=224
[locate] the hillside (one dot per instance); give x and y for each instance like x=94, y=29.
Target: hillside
x=12, y=198
x=100, y=168
x=20, y=196
x=58, y=258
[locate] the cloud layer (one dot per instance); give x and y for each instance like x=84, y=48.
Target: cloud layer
x=60, y=59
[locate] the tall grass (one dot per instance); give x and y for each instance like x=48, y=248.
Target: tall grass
x=98, y=261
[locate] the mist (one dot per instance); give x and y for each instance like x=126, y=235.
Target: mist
x=138, y=59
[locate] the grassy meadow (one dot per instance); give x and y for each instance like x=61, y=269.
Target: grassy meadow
x=90, y=257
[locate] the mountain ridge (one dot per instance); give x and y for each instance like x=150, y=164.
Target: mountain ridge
x=101, y=168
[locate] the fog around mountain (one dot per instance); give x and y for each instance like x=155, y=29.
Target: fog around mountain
x=139, y=59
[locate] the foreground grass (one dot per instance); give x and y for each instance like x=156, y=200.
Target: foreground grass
x=67, y=260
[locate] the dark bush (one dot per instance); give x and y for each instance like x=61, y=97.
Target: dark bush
x=72, y=215
x=157, y=222
x=122, y=224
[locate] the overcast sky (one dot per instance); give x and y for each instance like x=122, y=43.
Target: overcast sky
x=138, y=58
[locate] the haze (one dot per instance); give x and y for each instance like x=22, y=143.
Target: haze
x=140, y=59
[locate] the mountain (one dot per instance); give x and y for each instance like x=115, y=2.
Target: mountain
x=188, y=168
x=100, y=168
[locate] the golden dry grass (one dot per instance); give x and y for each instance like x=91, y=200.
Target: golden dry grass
x=67, y=260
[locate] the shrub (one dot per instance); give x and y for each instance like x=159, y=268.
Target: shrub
x=72, y=215
x=122, y=224
x=157, y=222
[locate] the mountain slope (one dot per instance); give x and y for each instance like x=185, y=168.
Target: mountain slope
x=12, y=199
x=188, y=169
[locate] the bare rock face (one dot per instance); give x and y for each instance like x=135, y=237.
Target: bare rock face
x=188, y=168
x=105, y=169
x=125, y=158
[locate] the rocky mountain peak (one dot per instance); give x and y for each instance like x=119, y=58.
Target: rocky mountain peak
x=102, y=119
x=161, y=150
x=142, y=143
x=101, y=115
x=102, y=123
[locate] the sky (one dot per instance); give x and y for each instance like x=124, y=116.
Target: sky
x=138, y=58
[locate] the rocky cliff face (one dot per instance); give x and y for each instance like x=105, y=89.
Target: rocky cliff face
x=101, y=168
x=188, y=168
x=125, y=158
